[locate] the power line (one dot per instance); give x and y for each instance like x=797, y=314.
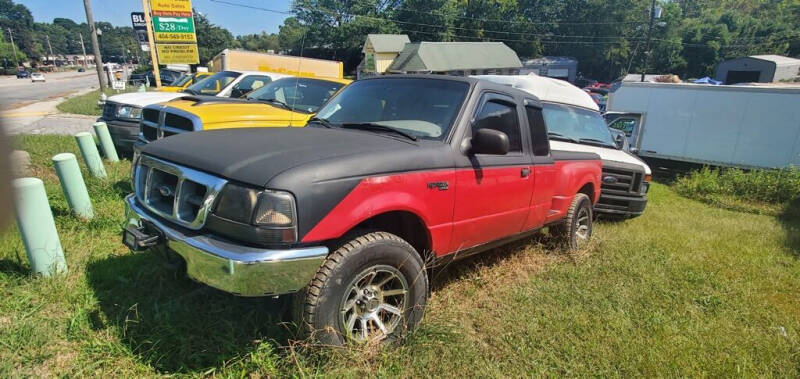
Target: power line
x=618, y=40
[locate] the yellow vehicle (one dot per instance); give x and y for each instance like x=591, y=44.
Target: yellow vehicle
x=288, y=101
x=185, y=80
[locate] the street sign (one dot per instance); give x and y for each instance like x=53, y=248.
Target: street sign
x=178, y=8
x=174, y=29
x=174, y=53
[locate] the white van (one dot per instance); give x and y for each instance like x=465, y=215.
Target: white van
x=575, y=123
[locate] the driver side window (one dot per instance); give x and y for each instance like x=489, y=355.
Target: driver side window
x=249, y=84
x=500, y=116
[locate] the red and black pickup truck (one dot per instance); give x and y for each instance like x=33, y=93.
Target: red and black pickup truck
x=394, y=175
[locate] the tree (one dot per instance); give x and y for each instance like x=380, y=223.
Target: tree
x=211, y=39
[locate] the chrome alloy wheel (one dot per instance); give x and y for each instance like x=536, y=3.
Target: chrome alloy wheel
x=373, y=305
x=583, y=229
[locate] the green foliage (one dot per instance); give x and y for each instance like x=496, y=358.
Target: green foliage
x=211, y=39
x=86, y=104
x=764, y=190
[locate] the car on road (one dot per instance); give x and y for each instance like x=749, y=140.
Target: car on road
x=122, y=113
x=575, y=124
x=37, y=77
x=22, y=74
x=283, y=102
x=395, y=174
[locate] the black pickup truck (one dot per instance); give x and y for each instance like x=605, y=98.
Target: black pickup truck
x=394, y=175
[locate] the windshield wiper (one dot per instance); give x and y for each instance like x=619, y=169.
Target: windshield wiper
x=374, y=126
x=320, y=121
x=190, y=91
x=561, y=137
x=593, y=141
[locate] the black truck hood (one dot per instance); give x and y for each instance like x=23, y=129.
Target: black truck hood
x=257, y=155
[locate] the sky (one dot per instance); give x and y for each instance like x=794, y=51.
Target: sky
x=238, y=20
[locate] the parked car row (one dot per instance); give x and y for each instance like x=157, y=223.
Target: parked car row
x=343, y=195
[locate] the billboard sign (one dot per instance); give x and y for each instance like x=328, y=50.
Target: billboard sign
x=177, y=53
x=176, y=8
x=140, y=29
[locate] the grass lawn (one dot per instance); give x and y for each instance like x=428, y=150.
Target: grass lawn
x=688, y=289
x=86, y=104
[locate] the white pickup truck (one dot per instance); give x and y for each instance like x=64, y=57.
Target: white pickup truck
x=575, y=124
x=123, y=112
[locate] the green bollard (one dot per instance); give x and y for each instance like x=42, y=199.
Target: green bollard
x=101, y=130
x=90, y=155
x=37, y=227
x=72, y=183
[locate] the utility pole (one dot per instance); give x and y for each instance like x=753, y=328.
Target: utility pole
x=151, y=41
x=49, y=46
x=11, y=37
x=98, y=61
x=84, y=50
x=649, y=33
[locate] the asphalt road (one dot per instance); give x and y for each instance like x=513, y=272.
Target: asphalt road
x=15, y=93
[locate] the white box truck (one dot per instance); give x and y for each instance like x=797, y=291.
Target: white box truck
x=748, y=126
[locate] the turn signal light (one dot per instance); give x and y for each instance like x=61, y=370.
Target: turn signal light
x=648, y=178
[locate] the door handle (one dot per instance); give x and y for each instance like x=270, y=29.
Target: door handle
x=525, y=172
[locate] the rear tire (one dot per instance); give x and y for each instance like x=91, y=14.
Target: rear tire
x=576, y=229
x=371, y=289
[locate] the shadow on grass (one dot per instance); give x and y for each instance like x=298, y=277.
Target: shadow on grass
x=460, y=269
x=13, y=267
x=790, y=219
x=176, y=325
x=123, y=188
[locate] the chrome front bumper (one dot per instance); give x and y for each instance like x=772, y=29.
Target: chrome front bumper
x=240, y=270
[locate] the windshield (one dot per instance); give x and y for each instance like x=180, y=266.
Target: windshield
x=185, y=78
x=213, y=84
x=424, y=108
x=577, y=124
x=298, y=94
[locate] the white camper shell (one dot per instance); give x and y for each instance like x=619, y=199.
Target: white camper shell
x=576, y=124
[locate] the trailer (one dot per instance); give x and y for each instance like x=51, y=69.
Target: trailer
x=748, y=126
x=243, y=60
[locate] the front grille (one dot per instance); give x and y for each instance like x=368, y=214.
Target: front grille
x=178, y=122
x=150, y=115
x=178, y=194
x=160, y=122
x=627, y=182
x=149, y=133
x=109, y=111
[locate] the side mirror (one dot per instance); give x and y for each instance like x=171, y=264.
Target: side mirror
x=620, y=140
x=489, y=141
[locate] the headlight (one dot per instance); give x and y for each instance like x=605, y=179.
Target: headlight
x=275, y=208
x=262, y=217
x=237, y=203
x=127, y=111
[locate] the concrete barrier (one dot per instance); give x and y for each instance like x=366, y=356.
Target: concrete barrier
x=90, y=154
x=101, y=130
x=69, y=174
x=37, y=227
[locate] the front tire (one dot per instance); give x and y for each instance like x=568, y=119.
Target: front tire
x=374, y=288
x=576, y=229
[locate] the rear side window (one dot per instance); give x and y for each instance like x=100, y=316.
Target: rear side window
x=502, y=117
x=541, y=144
